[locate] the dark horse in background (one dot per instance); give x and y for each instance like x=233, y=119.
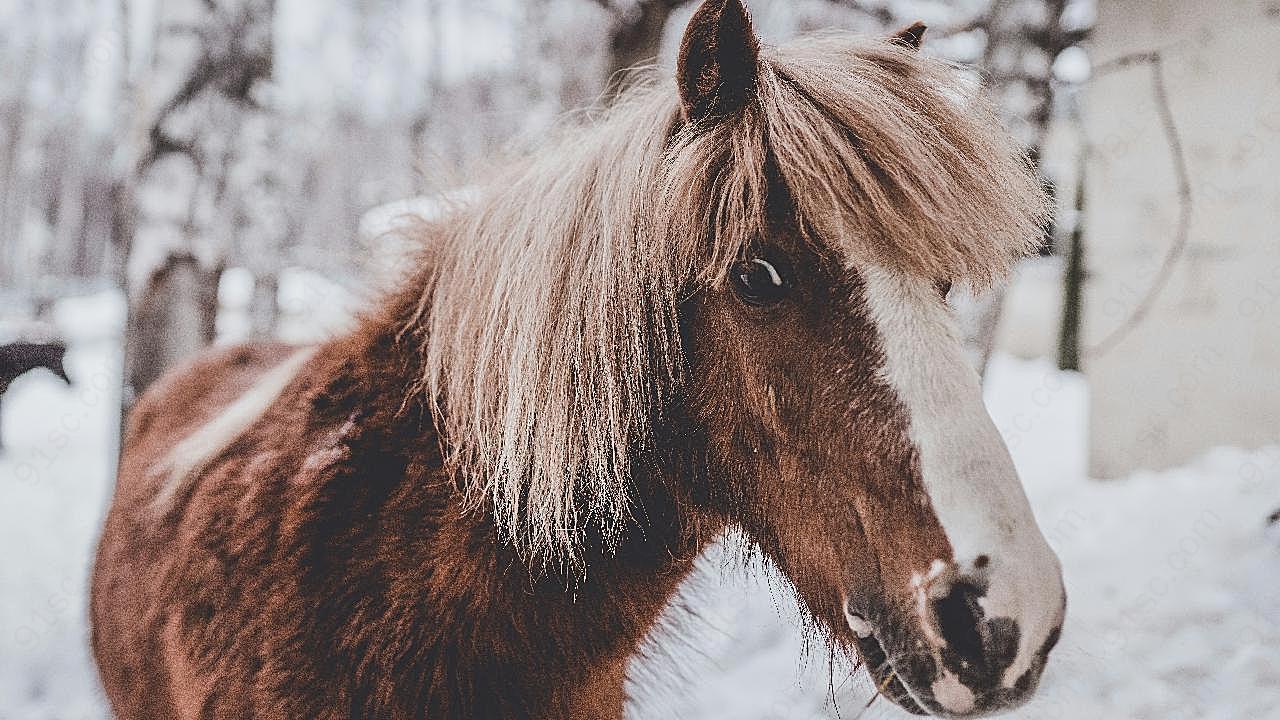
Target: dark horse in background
x=721, y=305
x=20, y=358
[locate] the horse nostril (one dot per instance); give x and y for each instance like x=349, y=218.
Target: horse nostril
x=977, y=648
x=959, y=618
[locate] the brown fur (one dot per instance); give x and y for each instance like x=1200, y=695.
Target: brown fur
x=476, y=504
x=360, y=530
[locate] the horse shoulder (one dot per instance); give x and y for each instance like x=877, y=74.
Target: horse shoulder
x=175, y=429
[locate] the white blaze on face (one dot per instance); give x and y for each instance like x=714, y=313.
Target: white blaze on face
x=967, y=472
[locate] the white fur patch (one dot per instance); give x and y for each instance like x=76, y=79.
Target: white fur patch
x=967, y=471
x=952, y=694
x=857, y=623
x=925, y=589
x=189, y=456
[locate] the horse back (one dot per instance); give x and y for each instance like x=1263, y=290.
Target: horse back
x=191, y=395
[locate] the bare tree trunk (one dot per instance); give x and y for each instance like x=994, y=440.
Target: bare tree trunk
x=173, y=313
x=1023, y=37
x=16, y=185
x=69, y=223
x=264, y=309
x=1073, y=285
x=1010, y=42
x=16, y=117
x=172, y=319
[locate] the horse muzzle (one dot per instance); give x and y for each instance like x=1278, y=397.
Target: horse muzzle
x=961, y=645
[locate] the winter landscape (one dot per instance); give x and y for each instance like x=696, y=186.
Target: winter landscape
x=176, y=174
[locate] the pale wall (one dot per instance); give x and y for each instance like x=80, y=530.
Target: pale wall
x=1204, y=368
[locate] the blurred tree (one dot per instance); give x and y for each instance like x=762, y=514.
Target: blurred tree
x=52, y=154
x=16, y=116
x=635, y=33
x=173, y=317
x=1024, y=39
x=208, y=60
x=1019, y=43
x=1073, y=284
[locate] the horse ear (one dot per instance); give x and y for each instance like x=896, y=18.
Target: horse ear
x=719, y=61
x=910, y=36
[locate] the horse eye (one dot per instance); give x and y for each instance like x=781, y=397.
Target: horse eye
x=759, y=282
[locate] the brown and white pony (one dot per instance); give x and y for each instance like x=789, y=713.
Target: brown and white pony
x=712, y=308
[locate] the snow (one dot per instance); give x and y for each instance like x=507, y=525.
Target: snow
x=312, y=306
x=1174, y=596
x=1174, y=592
x=55, y=481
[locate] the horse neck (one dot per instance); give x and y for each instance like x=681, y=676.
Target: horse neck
x=531, y=641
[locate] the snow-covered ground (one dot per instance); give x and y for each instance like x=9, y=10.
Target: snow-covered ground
x=1173, y=576
x=55, y=480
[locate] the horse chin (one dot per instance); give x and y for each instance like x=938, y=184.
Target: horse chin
x=888, y=679
x=888, y=684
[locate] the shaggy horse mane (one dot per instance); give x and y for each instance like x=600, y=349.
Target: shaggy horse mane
x=549, y=320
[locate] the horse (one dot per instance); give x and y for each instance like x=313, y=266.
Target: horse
x=20, y=358
x=718, y=305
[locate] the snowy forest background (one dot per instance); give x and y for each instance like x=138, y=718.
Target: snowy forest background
x=151, y=145
x=180, y=172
